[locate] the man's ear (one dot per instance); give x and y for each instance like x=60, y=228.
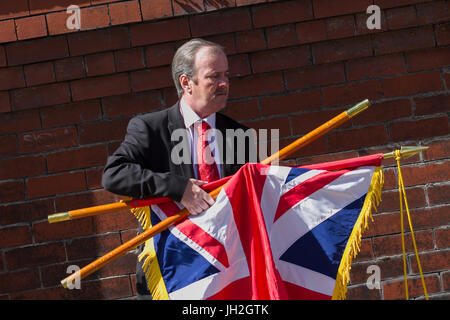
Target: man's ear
x=185, y=83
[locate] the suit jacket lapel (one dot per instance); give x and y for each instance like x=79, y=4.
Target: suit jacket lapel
x=175, y=121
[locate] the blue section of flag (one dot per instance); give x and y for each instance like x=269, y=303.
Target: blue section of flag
x=321, y=248
x=180, y=265
x=294, y=173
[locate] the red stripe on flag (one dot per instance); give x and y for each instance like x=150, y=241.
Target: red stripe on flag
x=244, y=191
x=305, y=189
x=198, y=235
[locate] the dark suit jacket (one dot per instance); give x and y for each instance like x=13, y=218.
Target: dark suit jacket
x=141, y=167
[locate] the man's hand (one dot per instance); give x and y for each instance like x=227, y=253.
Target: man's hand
x=195, y=199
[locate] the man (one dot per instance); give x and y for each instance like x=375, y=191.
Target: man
x=145, y=164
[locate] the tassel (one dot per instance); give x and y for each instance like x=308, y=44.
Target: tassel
x=353, y=246
x=155, y=281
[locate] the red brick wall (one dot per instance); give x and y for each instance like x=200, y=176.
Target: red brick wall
x=66, y=97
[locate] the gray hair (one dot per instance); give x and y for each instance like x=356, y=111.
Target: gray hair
x=184, y=59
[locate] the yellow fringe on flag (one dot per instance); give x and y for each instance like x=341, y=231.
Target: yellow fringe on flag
x=155, y=281
x=352, y=248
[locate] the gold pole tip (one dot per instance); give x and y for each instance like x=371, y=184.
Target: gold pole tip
x=58, y=217
x=406, y=152
x=359, y=107
x=64, y=283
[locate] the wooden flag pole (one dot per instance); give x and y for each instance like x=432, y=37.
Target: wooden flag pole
x=165, y=224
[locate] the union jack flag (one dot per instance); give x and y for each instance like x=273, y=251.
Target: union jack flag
x=274, y=232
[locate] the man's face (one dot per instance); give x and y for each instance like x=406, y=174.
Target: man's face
x=210, y=85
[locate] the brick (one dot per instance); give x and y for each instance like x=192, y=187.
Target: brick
x=392, y=245
x=314, y=76
x=2, y=56
x=395, y=289
x=433, y=12
x=390, y=200
x=412, y=84
x=26, y=212
x=183, y=7
x=55, y=184
x=293, y=102
x=7, y=31
x=8, y=145
x=443, y=34
x=419, y=129
x=15, y=236
x=159, y=54
x=438, y=194
x=442, y=238
x=234, y=109
x=155, y=9
x=224, y=22
x=85, y=199
x=31, y=27
x=100, y=64
x=311, y=120
x=18, y=121
x=239, y=65
x=5, y=105
x=311, y=31
x=115, y=221
x=341, y=49
x=37, y=50
x=94, y=17
x=44, y=231
x=19, y=281
x=98, y=40
x=100, y=86
x=11, y=191
x=210, y=6
x=9, y=10
x=420, y=60
x=103, y=131
x=280, y=59
x=22, y=167
x=40, y=96
x=281, y=36
x=131, y=104
x=92, y=247
x=281, y=13
x=129, y=59
x=432, y=105
x=125, y=12
x=374, y=67
x=397, y=3
x=11, y=78
x=44, y=6
x=353, y=93
x=416, y=175
x=385, y=111
x=357, y=138
x=226, y=41
x=403, y=40
x=35, y=255
x=399, y=18
x=323, y=8
x=256, y=85
x=281, y=123
x=71, y=113
x=76, y=158
x=94, y=178
x=69, y=69
x=251, y=40
x=39, y=73
x=362, y=293
x=437, y=149
x=160, y=31
x=340, y=27
x=154, y=78
x=57, y=23
x=51, y=139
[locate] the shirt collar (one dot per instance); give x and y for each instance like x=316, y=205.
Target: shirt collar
x=190, y=117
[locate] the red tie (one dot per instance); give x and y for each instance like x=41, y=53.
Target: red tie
x=207, y=168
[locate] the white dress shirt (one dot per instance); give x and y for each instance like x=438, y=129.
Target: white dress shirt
x=190, y=118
